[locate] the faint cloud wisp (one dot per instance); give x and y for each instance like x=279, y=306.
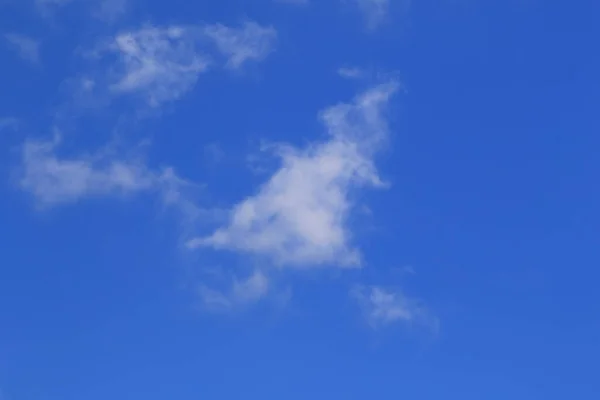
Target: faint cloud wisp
x=251, y=42
x=382, y=307
x=374, y=11
x=27, y=48
x=54, y=180
x=162, y=63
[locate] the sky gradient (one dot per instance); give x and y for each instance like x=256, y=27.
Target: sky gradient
x=299, y=199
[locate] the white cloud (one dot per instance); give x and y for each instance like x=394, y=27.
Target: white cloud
x=382, y=307
x=299, y=217
x=242, y=292
x=251, y=42
x=160, y=64
x=350, y=72
x=53, y=180
x=27, y=48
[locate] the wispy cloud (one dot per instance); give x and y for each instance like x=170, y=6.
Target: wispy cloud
x=251, y=42
x=299, y=217
x=242, y=292
x=160, y=64
x=27, y=48
x=350, y=72
x=383, y=307
x=157, y=64
x=54, y=180
x=375, y=11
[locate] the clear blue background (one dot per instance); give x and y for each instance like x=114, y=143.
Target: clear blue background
x=495, y=203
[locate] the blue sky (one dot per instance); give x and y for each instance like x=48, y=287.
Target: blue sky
x=299, y=199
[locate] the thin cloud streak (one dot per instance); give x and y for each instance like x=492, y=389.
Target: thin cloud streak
x=53, y=180
x=27, y=48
